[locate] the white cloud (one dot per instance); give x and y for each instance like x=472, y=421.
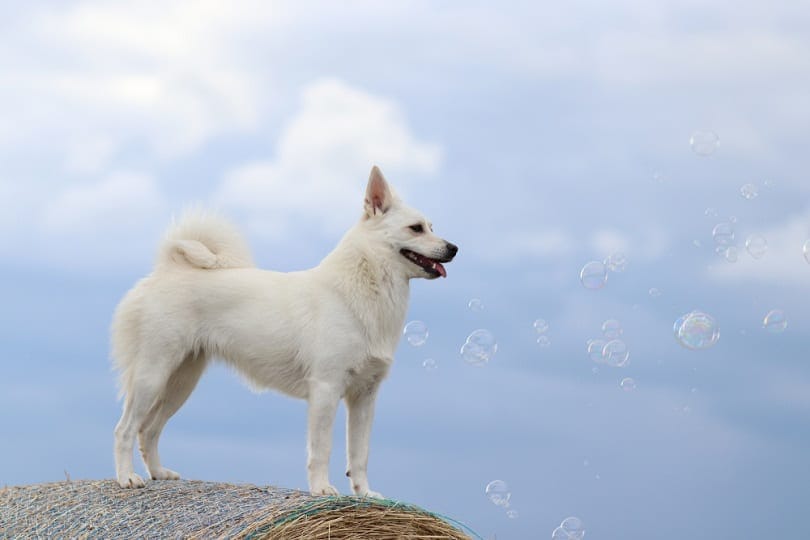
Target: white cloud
x=113, y=221
x=323, y=158
x=783, y=262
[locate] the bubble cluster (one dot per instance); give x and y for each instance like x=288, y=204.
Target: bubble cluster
x=704, y=143
x=696, y=330
x=627, y=384
x=756, y=246
x=612, y=329
x=571, y=528
x=430, y=364
x=475, y=305
x=479, y=348
x=416, y=332
x=616, y=262
x=593, y=275
x=749, y=191
x=775, y=321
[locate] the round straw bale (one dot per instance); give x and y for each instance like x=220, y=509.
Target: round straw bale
x=204, y=510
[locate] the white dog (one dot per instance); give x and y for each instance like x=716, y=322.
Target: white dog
x=322, y=334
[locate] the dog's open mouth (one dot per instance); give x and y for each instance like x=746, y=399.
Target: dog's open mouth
x=431, y=266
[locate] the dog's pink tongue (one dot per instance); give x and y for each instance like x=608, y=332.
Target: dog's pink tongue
x=440, y=269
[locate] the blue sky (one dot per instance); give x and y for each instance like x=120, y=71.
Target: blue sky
x=537, y=137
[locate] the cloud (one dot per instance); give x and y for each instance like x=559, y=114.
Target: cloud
x=115, y=220
x=323, y=158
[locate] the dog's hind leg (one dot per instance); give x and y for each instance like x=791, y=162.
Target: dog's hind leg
x=141, y=395
x=323, y=402
x=175, y=393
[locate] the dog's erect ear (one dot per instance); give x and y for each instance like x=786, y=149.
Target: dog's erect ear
x=378, y=194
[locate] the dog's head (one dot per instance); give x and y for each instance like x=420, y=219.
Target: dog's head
x=413, y=246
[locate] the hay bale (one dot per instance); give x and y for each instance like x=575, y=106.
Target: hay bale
x=203, y=510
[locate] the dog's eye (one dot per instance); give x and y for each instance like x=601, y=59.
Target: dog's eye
x=417, y=228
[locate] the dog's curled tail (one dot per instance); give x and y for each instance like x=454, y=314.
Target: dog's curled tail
x=205, y=240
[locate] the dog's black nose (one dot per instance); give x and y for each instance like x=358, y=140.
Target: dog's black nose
x=452, y=249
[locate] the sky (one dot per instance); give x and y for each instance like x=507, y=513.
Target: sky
x=537, y=137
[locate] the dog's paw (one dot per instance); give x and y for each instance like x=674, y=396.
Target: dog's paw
x=326, y=490
x=371, y=494
x=165, y=474
x=130, y=480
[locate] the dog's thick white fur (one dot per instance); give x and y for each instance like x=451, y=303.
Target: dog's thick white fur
x=321, y=334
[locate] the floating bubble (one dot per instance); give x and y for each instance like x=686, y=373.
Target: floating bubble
x=730, y=254
x=697, y=243
x=710, y=212
x=806, y=251
x=654, y=292
x=475, y=305
x=612, y=329
x=512, y=513
x=775, y=321
x=540, y=326
x=704, y=143
x=416, y=332
x=627, y=384
x=723, y=234
x=430, y=364
x=559, y=534
x=544, y=341
x=479, y=348
x=616, y=262
x=659, y=177
x=498, y=493
x=615, y=353
x=573, y=527
x=756, y=246
x=698, y=331
x=595, y=347
x=749, y=191
x=593, y=275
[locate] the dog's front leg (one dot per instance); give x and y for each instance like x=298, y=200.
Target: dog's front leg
x=360, y=409
x=323, y=402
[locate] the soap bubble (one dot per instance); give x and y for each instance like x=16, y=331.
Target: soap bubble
x=749, y=191
x=615, y=353
x=512, y=513
x=612, y=329
x=806, y=251
x=628, y=384
x=544, y=341
x=595, y=347
x=756, y=246
x=560, y=534
x=498, y=493
x=540, y=326
x=430, y=364
x=479, y=348
x=729, y=253
x=704, y=143
x=475, y=305
x=710, y=212
x=616, y=262
x=723, y=234
x=416, y=332
x=654, y=292
x=593, y=275
x=698, y=331
x=775, y=321
x=573, y=527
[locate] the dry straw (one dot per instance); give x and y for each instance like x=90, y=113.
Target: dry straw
x=204, y=510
